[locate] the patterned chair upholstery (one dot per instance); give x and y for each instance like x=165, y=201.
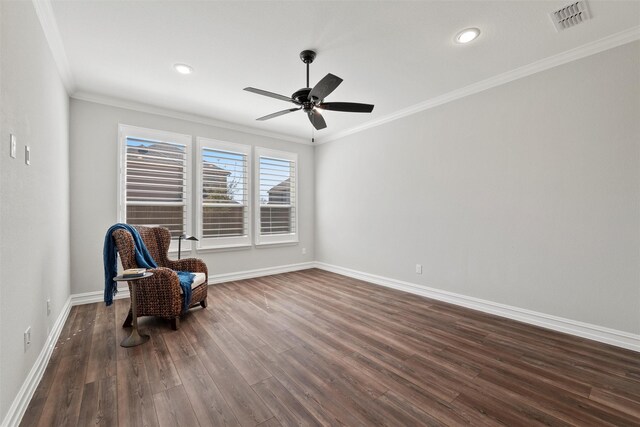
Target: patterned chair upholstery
x=160, y=295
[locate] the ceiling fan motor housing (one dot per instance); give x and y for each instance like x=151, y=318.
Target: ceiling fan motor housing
x=301, y=96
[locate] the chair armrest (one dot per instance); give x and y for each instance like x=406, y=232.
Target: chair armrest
x=192, y=265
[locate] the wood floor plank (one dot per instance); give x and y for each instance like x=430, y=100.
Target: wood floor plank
x=102, y=356
x=349, y=397
x=79, y=339
x=236, y=353
x=174, y=408
x=34, y=410
x=631, y=407
x=315, y=348
x=62, y=406
x=317, y=401
x=99, y=403
x=246, y=405
x=271, y=422
x=161, y=372
x=178, y=345
x=565, y=407
x=334, y=370
x=405, y=414
x=206, y=399
x=135, y=401
x=36, y=405
x=287, y=409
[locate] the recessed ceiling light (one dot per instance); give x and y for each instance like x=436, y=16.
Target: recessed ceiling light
x=183, y=68
x=467, y=35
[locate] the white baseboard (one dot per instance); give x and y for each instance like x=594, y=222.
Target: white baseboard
x=98, y=296
x=569, y=326
x=573, y=327
x=22, y=399
x=123, y=290
x=259, y=272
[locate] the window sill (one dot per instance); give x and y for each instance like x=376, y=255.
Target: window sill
x=270, y=245
x=225, y=248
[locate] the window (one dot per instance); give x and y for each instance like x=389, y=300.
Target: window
x=223, y=194
x=276, y=213
x=155, y=179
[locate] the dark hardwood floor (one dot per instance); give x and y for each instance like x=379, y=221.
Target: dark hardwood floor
x=316, y=348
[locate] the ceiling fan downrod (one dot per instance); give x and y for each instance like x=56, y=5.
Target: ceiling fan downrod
x=307, y=57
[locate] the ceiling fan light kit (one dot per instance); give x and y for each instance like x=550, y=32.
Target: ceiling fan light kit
x=310, y=100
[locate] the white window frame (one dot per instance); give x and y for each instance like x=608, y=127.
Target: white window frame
x=274, y=239
x=126, y=131
x=222, y=242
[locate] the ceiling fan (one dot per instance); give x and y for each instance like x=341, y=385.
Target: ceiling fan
x=310, y=100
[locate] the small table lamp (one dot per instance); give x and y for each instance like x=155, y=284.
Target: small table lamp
x=185, y=237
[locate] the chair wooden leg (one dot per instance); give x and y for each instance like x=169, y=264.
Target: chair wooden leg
x=175, y=322
x=203, y=303
x=128, y=321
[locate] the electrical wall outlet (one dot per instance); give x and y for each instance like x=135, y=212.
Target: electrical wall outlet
x=27, y=339
x=418, y=268
x=304, y=251
x=27, y=155
x=48, y=306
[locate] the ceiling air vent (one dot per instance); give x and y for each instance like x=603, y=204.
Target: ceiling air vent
x=570, y=16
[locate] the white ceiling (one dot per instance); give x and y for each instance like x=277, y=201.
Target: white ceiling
x=389, y=53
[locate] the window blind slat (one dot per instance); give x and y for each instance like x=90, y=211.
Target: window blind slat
x=277, y=187
x=155, y=184
x=224, y=193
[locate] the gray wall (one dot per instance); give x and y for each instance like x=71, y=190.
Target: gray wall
x=34, y=201
x=527, y=194
x=94, y=186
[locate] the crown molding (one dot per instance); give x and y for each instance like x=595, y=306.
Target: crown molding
x=47, y=19
x=146, y=108
x=606, y=43
x=49, y=25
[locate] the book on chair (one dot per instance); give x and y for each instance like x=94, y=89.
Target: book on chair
x=133, y=272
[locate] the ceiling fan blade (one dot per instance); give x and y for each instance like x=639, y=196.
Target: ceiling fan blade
x=269, y=94
x=316, y=119
x=325, y=86
x=349, y=107
x=279, y=113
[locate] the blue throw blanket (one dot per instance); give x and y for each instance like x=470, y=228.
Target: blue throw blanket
x=143, y=259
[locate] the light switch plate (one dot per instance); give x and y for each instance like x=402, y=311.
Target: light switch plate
x=12, y=145
x=27, y=155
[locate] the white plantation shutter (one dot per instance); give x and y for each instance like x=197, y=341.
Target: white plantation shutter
x=155, y=173
x=224, y=193
x=277, y=196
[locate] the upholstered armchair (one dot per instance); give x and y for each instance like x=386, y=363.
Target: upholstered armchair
x=161, y=295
